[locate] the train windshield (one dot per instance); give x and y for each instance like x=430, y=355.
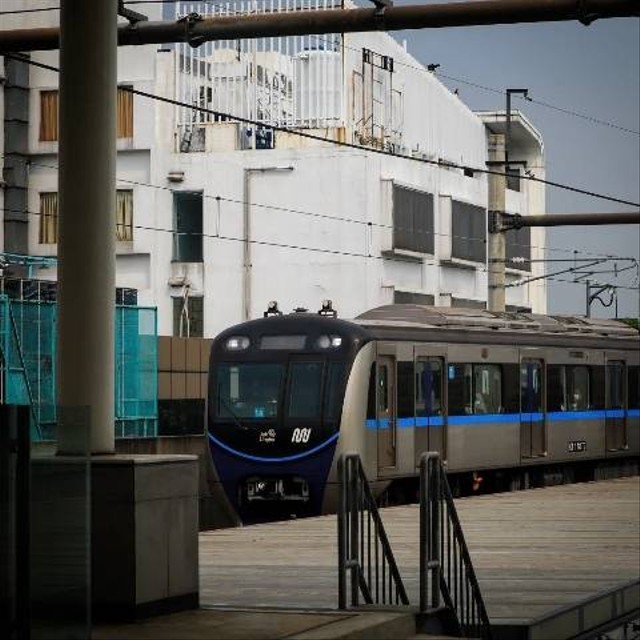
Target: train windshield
x=249, y=390
x=254, y=390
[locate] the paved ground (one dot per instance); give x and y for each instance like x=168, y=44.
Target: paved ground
x=533, y=551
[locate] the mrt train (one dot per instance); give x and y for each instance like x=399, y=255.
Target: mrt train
x=508, y=399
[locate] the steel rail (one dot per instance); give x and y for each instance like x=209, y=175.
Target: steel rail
x=196, y=29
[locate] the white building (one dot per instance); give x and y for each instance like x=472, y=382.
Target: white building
x=219, y=214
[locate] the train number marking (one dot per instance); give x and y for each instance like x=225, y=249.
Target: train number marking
x=577, y=446
x=301, y=435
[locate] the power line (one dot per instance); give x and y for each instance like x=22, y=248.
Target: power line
x=443, y=164
x=313, y=214
x=397, y=259
x=421, y=69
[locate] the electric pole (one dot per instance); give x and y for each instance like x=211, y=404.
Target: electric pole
x=495, y=238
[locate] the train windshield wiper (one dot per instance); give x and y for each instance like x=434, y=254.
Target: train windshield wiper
x=233, y=414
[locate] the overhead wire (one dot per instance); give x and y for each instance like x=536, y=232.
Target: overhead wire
x=313, y=214
x=444, y=164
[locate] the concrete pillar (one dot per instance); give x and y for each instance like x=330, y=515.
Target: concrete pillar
x=496, y=240
x=86, y=245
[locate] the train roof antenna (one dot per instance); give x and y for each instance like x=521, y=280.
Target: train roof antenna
x=327, y=309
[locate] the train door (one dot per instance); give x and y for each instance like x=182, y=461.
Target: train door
x=386, y=411
x=532, y=418
x=430, y=401
x=615, y=420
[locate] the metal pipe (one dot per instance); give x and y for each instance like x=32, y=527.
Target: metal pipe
x=197, y=30
x=570, y=219
x=247, y=233
x=496, y=241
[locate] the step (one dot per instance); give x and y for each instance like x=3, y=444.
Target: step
x=367, y=625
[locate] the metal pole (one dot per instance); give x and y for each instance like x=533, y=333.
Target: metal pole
x=246, y=245
x=456, y=14
x=518, y=221
x=86, y=245
x=495, y=239
x=342, y=552
x=588, y=310
x=423, y=534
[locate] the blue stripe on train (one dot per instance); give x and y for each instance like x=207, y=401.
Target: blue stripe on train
x=253, y=458
x=495, y=418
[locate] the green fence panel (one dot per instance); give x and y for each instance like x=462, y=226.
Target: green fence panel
x=28, y=357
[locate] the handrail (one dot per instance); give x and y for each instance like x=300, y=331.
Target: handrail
x=446, y=570
x=364, y=552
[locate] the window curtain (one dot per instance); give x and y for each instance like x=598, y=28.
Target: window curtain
x=124, y=216
x=48, y=116
x=125, y=113
x=48, y=218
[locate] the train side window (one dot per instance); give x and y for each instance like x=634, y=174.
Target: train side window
x=304, y=390
x=468, y=388
x=333, y=387
x=405, y=389
x=511, y=387
x=556, y=388
x=383, y=385
x=577, y=388
x=487, y=388
x=457, y=391
x=598, y=387
x=633, y=376
x=615, y=384
x=371, y=400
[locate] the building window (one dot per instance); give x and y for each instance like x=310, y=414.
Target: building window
x=468, y=232
x=188, y=316
x=48, y=228
x=513, y=178
x=124, y=215
x=125, y=112
x=518, y=248
x=187, y=237
x=48, y=116
x=412, y=220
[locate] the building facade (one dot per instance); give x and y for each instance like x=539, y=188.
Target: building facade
x=291, y=169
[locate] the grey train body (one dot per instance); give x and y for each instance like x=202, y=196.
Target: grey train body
x=509, y=397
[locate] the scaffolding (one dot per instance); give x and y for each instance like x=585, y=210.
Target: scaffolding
x=28, y=357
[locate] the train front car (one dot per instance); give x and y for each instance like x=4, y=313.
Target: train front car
x=276, y=390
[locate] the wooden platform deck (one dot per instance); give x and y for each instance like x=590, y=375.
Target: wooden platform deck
x=534, y=552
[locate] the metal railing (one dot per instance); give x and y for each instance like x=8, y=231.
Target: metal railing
x=447, y=577
x=364, y=553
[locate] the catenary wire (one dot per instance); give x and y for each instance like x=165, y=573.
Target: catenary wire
x=443, y=164
x=370, y=225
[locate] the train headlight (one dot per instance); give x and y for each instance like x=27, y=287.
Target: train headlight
x=329, y=342
x=237, y=343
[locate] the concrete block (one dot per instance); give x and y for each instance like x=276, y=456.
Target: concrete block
x=183, y=547
x=193, y=354
x=204, y=385
x=193, y=385
x=153, y=522
x=161, y=482
x=178, y=354
x=164, y=385
x=178, y=386
x=164, y=353
x=205, y=352
x=137, y=534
